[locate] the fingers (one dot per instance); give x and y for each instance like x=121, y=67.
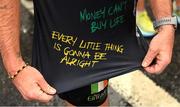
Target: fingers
x=150, y=56
x=159, y=66
x=37, y=94
x=46, y=87
x=43, y=97
x=33, y=86
x=156, y=68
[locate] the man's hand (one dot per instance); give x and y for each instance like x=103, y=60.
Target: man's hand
x=29, y=82
x=33, y=86
x=160, y=50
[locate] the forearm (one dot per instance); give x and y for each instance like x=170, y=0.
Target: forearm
x=162, y=9
x=9, y=35
x=161, y=46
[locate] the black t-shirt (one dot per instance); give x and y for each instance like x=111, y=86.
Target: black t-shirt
x=78, y=42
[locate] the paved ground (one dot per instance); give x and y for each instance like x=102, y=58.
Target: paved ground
x=169, y=80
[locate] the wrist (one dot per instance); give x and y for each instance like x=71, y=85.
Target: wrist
x=12, y=63
x=12, y=67
x=166, y=21
x=166, y=28
x=17, y=72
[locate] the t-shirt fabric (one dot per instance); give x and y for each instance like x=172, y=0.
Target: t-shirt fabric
x=79, y=42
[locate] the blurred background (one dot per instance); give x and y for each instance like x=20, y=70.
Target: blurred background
x=137, y=89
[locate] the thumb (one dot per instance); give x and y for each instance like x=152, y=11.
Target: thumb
x=46, y=87
x=151, y=54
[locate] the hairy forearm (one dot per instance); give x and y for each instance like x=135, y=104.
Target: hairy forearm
x=9, y=35
x=161, y=8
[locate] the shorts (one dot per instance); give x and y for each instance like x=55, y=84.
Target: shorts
x=91, y=95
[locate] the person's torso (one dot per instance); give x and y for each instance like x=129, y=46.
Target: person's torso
x=77, y=42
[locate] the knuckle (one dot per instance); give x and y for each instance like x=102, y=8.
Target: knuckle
x=47, y=101
x=152, y=50
x=159, y=71
x=26, y=98
x=148, y=59
x=31, y=95
x=167, y=61
x=40, y=78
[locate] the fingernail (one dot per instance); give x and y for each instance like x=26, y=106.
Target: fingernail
x=52, y=90
x=144, y=64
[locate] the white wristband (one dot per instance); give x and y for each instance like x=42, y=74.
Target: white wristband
x=166, y=21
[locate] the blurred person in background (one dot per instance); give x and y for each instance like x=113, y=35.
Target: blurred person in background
x=177, y=10
x=144, y=22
